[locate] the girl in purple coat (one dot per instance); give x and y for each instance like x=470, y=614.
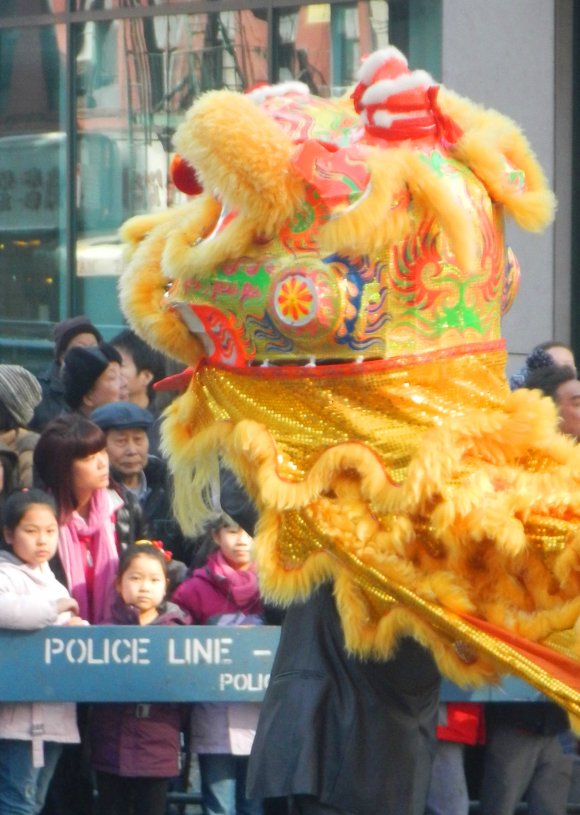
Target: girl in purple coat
x=224, y=592
x=135, y=748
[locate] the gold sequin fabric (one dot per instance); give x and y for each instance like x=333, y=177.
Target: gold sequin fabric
x=429, y=493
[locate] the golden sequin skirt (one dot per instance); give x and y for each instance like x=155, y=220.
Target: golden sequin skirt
x=442, y=505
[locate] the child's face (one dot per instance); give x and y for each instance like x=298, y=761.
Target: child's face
x=235, y=545
x=143, y=584
x=35, y=538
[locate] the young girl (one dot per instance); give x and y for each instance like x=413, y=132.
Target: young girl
x=135, y=748
x=224, y=592
x=31, y=734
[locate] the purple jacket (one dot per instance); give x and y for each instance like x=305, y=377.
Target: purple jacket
x=220, y=727
x=139, y=740
x=207, y=597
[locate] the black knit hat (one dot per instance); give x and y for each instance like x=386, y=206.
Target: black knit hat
x=67, y=329
x=82, y=368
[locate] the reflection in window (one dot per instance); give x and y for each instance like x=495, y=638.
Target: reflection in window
x=32, y=172
x=344, y=23
x=135, y=79
x=24, y=8
x=322, y=44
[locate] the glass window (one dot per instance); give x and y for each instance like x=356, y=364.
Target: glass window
x=135, y=78
x=33, y=259
x=99, y=5
x=321, y=45
x=30, y=8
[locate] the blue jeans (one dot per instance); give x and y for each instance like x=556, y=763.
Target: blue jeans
x=448, y=788
x=23, y=787
x=223, y=785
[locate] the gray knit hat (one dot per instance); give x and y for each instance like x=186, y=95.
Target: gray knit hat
x=20, y=392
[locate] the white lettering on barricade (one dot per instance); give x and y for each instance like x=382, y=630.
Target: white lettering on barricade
x=196, y=651
x=118, y=651
x=252, y=683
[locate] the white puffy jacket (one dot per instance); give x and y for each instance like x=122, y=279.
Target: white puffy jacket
x=28, y=597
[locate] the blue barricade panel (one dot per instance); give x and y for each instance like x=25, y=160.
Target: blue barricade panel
x=161, y=664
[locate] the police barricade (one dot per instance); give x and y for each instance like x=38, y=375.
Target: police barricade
x=162, y=664
x=167, y=664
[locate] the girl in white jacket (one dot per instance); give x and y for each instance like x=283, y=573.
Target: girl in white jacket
x=31, y=733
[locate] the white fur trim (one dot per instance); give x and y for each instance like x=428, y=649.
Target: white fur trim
x=385, y=88
x=374, y=61
x=383, y=119
x=259, y=95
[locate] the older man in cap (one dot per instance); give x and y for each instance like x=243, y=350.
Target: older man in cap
x=126, y=427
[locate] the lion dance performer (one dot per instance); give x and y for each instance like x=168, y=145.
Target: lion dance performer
x=335, y=286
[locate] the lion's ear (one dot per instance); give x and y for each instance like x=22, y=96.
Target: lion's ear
x=242, y=156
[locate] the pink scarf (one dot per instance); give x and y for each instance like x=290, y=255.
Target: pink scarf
x=81, y=542
x=242, y=583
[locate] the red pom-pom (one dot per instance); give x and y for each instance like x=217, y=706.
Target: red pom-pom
x=184, y=176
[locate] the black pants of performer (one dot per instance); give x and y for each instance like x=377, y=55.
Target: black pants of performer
x=131, y=796
x=309, y=805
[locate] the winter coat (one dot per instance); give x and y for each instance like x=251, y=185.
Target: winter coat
x=53, y=402
x=129, y=522
x=158, y=519
x=219, y=727
x=357, y=734
x=28, y=597
x=22, y=442
x=139, y=740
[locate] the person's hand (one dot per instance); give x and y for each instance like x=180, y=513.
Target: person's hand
x=67, y=604
x=77, y=621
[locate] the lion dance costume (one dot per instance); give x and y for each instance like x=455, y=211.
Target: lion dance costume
x=336, y=288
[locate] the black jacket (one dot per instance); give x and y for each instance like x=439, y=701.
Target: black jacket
x=53, y=402
x=357, y=734
x=539, y=718
x=159, y=523
x=130, y=525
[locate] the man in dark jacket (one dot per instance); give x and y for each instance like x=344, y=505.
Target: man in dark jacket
x=143, y=476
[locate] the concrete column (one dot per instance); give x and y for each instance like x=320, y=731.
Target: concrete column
x=515, y=56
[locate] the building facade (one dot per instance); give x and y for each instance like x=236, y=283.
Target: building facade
x=91, y=92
